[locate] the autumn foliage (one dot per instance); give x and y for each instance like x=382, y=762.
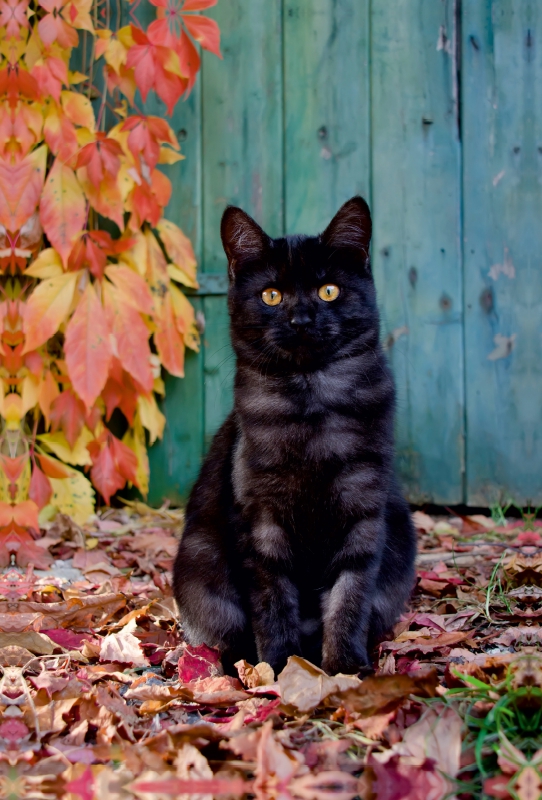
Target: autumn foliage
x=91, y=309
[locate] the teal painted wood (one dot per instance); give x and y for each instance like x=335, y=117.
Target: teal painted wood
x=502, y=124
x=175, y=460
x=326, y=101
x=219, y=367
x=242, y=121
x=416, y=246
x=242, y=146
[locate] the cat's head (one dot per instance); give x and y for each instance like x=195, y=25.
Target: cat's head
x=300, y=300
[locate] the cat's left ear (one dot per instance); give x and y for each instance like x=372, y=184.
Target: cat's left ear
x=243, y=239
x=350, y=229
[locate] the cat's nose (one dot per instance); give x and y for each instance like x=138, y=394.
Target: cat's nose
x=300, y=320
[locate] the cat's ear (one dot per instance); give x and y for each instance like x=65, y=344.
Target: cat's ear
x=350, y=229
x=242, y=238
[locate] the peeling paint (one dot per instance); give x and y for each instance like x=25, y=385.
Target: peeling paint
x=498, y=178
x=393, y=337
x=503, y=346
x=506, y=268
x=443, y=43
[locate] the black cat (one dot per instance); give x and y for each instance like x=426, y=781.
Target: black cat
x=297, y=538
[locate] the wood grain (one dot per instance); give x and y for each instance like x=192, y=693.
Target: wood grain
x=326, y=101
x=416, y=245
x=502, y=123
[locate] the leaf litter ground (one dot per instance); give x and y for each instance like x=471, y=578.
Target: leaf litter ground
x=101, y=699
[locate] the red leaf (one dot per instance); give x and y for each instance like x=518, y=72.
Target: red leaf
x=198, y=662
x=83, y=786
x=104, y=473
x=68, y=413
x=131, y=337
x=198, y=5
x=168, y=340
x=40, y=490
x=87, y=348
x=205, y=31
x=113, y=464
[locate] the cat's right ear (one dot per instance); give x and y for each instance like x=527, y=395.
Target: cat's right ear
x=242, y=238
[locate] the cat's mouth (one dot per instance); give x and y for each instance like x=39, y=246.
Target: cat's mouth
x=302, y=346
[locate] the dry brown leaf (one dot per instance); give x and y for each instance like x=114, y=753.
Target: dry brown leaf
x=305, y=686
x=260, y=675
x=123, y=647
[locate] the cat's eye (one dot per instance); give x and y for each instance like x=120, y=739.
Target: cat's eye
x=328, y=292
x=271, y=297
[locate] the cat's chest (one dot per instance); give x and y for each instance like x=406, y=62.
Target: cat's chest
x=313, y=419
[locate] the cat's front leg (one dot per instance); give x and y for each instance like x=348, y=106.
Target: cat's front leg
x=275, y=614
x=347, y=606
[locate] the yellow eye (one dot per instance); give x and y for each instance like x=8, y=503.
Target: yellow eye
x=271, y=297
x=328, y=292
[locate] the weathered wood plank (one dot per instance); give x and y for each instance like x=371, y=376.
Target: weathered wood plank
x=242, y=146
x=242, y=121
x=174, y=461
x=219, y=367
x=502, y=127
x=416, y=246
x=326, y=101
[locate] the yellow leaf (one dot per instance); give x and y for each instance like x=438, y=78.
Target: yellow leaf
x=172, y=63
x=12, y=410
x=169, y=156
x=185, y=318
x=29, y=393
x=151, y=417
x=58, y=444
x=76, y=77
x=47, y=265
x=156, y=270
x=47, y=308
x=84, y=136
x=180, y=250
x=136, y=256
x=78, y=109
x=125, y=36
x=77, y=13
x=73, y=496
x=115, y=54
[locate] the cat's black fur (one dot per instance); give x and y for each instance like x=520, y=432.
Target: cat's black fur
x=297, y=538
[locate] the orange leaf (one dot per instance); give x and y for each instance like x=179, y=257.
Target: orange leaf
x=59, y=133
x=62, y=209
x=20, y=188
x=40, y=490
x=131, y=337
x=47, y=308
x=87, y=348
x=68, y=413
x=179, y=249
x=78, y=109
x=53, y=468
x=168, y=340
x=132, y=286
x=47, y=392
x=24, y=514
